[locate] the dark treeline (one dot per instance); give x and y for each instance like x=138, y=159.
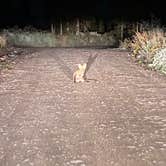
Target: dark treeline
x=42, y=13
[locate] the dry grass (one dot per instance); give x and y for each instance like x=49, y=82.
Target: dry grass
x=3, y=42
x=48, y=39
x=146, y=44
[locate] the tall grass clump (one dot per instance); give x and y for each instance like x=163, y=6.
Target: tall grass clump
x=146, y=44
x=149, y=48
x=3, y=42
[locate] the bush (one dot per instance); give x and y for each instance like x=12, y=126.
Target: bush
x=125, y=44
x=48, y=39
x=159, y=61
x=145, y=45
x=3, y=42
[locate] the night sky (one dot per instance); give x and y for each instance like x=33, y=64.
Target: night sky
x=24, y=12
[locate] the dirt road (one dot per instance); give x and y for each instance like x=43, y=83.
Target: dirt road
x=118, y=118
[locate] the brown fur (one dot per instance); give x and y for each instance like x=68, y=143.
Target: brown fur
x=79, y=74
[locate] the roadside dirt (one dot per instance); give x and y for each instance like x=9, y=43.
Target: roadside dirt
x=118, y=118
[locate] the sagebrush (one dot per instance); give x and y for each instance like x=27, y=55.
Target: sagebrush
x=145, y=45
x=159, y=61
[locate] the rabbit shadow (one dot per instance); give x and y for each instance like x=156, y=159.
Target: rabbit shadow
x=90, y=62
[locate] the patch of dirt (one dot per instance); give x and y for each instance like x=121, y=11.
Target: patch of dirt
x=118, y=118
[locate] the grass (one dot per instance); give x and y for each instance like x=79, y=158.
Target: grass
x=3, y=41
x=48, y=39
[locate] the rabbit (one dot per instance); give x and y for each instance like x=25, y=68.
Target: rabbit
x=79, y=74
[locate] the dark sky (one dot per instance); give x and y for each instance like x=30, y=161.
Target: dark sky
x=34, y=11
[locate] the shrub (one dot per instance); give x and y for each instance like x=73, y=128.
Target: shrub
x=145, y=45
x=48, y=39
x=124, y=44
x=159, y=61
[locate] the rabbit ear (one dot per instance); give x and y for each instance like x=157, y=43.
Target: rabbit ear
x=84, y=65
x=79, y=66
